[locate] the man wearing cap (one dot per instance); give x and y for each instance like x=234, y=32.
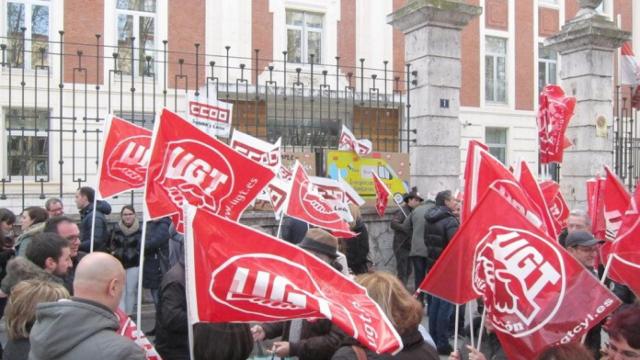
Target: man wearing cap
x=301, y=338
x=584, y=247
x=402, y=234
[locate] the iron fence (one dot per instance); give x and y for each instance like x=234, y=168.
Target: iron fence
x=626, y=139
x=53, y=108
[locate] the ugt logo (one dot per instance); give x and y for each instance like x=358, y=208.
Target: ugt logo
x=129, y=160
x=196, y=173
x=278, y=288
x=520, y=276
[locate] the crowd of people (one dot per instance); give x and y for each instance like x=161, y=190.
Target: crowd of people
x=59, y=299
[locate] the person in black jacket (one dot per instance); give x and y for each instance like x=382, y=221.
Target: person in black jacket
x=293, y=230
x=357, y=248
x=210, y=341
x=84, y=201
x=441, y=224
x=402, y=234
x=125, y=246
x=156, y=256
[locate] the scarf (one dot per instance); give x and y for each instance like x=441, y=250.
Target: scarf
x=129, y=230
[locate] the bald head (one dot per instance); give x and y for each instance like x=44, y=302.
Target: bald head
x=99, y=277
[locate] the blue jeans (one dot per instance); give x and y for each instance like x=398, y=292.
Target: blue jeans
x=439, y=317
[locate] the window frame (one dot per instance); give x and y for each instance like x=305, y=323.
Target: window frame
x=137, y=14
x=547, y=63
x=495, y=56
x=18, y=132
x=504, y=146
x=28, y=35
x=304, y=29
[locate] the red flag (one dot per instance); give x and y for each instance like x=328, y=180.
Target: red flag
x=595, y=203
x=536, y=294
x=629, y=67
x=501, y=197
x=382, y=194
x=481, y=170
x=348, y=141
x=125, y=157
x=530, y=186
x=264, y=279
x=557, y=204
x=189, y=166
x=625, y=265
x=616, y=202
x=307, y=205
x=129, y=329
x=554, y=113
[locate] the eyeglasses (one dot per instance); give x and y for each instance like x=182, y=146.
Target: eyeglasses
x=626, y=353
x=587, y=249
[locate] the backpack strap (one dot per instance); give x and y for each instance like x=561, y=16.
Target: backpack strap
x=360, y=354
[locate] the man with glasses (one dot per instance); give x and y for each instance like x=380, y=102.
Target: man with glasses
x=54, y=207
x=624, y=334
x=68, y=230
x=584, y=248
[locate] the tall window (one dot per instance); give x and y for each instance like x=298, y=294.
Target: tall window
x=33, y=17
x=136, y=19
x=547, y=65
x=27, y=142
x=304, y=36
x=495, y=72
x=496, y=140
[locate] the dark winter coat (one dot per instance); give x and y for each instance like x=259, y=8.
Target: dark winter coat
x=439, y=229
x=358, y=248
x=126, y=247
x=79, y=329
x=71, y=272
x=318, y=339
x=102, y=232
x=414, y=348
x=156, y=254
x=401, y=232
x=293, y=230
x=172, y=338
x=16, y=349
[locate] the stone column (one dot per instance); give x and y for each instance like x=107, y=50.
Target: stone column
x=432, y=30
x=587, y=45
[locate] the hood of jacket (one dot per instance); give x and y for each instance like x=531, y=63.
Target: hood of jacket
x=437, y=213
x=34, y=229
x=62, y=325
x=101, y=205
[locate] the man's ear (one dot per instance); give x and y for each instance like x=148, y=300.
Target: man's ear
x=113, y=287
x=50, y=264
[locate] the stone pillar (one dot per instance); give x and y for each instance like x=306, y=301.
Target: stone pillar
x=587, y=45
x=432, y=30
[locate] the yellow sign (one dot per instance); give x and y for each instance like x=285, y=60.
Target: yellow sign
x=392, y=168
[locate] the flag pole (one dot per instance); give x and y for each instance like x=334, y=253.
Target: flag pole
x=143, y=240
x=185, y=213
x=606, y=269
x=455, y=330
x=93, y=220
x=471, y=324
x=280, y=225
x=484, y=311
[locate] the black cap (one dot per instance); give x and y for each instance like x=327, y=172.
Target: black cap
x=413, y=194
x=313, y=245
x=581, y=238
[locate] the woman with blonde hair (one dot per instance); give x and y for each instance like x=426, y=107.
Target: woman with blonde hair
x=357, y=248
x=20, y=313
x=404, y=312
